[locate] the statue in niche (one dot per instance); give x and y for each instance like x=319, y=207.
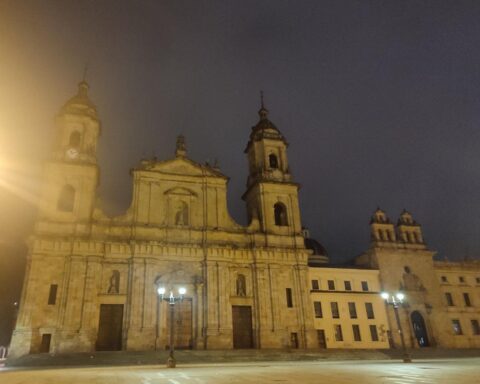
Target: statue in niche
x=181, y=216
x=241, y=286
x=114, y=286
x=411, y=282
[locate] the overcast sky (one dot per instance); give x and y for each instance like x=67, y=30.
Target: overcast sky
x=379, y=100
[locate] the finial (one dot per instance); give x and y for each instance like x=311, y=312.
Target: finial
x=263, y=112
x=85, y=70
x=181, y=148
x=83, y=85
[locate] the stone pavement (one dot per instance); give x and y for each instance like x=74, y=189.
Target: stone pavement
x=440, y=371
x=228, y=356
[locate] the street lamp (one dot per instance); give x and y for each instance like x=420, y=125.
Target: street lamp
x=395, y=301
x=171, y=299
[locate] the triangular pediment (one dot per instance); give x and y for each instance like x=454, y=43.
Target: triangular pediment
x=180, y=166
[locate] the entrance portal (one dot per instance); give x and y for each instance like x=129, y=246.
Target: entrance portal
x=110, y=328
x=242, y=326
x=419, y=329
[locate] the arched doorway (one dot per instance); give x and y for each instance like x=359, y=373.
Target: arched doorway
x=419, y=329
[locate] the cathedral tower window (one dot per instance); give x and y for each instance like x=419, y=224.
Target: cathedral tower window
x=288, y=292
x=280, y=214
x=75, y=139
x=66, y=199
x=273, y=161
x=52, y=295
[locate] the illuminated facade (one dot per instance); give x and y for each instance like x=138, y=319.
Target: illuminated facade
x=91, y=280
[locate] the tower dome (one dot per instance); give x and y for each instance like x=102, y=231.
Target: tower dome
x=319, y=256
x=80, y=103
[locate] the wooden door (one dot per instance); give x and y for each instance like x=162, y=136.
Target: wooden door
x=182, y=324
x=242, y=326
x=110, y=327
x=322, y=343
x=45, y=345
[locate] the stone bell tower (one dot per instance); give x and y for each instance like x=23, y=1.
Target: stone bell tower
x=271, y=196
x=71, y=174
x=406, y=265
x=50, y=314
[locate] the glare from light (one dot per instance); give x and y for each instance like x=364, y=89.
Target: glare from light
x=182, y=291
x=384, y=295
x=400, y=296
x=161, y=290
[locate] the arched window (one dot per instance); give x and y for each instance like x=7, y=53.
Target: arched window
x=74, y=140
x=280, y=214
x=272, y=159
x=66, y=199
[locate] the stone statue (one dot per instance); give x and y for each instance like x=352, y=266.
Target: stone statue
x=114, y=287
x=241, y=286
x=181, y=217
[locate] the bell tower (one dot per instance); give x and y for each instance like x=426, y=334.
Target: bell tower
x=271, y=196
x=71, y=173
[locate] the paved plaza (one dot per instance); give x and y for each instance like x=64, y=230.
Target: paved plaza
x=458, y=371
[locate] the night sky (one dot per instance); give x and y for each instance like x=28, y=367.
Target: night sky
x=379, y=100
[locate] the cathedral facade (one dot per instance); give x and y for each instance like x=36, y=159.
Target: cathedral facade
x=92, y=281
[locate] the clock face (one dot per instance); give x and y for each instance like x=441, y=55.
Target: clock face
x=72, y=153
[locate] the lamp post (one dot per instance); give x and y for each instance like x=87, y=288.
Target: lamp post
x=395, y=301
x=171, y=299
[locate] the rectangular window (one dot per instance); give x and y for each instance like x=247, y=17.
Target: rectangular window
x=444, y=279
x=315, y=285
x=365, y=286
x=457, y=328
x=334, y=307
x=449, y=298
x=466, y=298
x=288, y=292
x=461, y=279
x=331, y=285
x=353, y=310
x=348, y=285
x=338, y=332
x=356, y=332
x=317, y=305
x=373, y=332
x=369, y=309
x=52, y=296
x=475, y=327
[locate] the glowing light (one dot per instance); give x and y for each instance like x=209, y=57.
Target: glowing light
x=400, y=296
x=182, y=291
x=22, y=180
x=384, y=295
x=161, y=290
